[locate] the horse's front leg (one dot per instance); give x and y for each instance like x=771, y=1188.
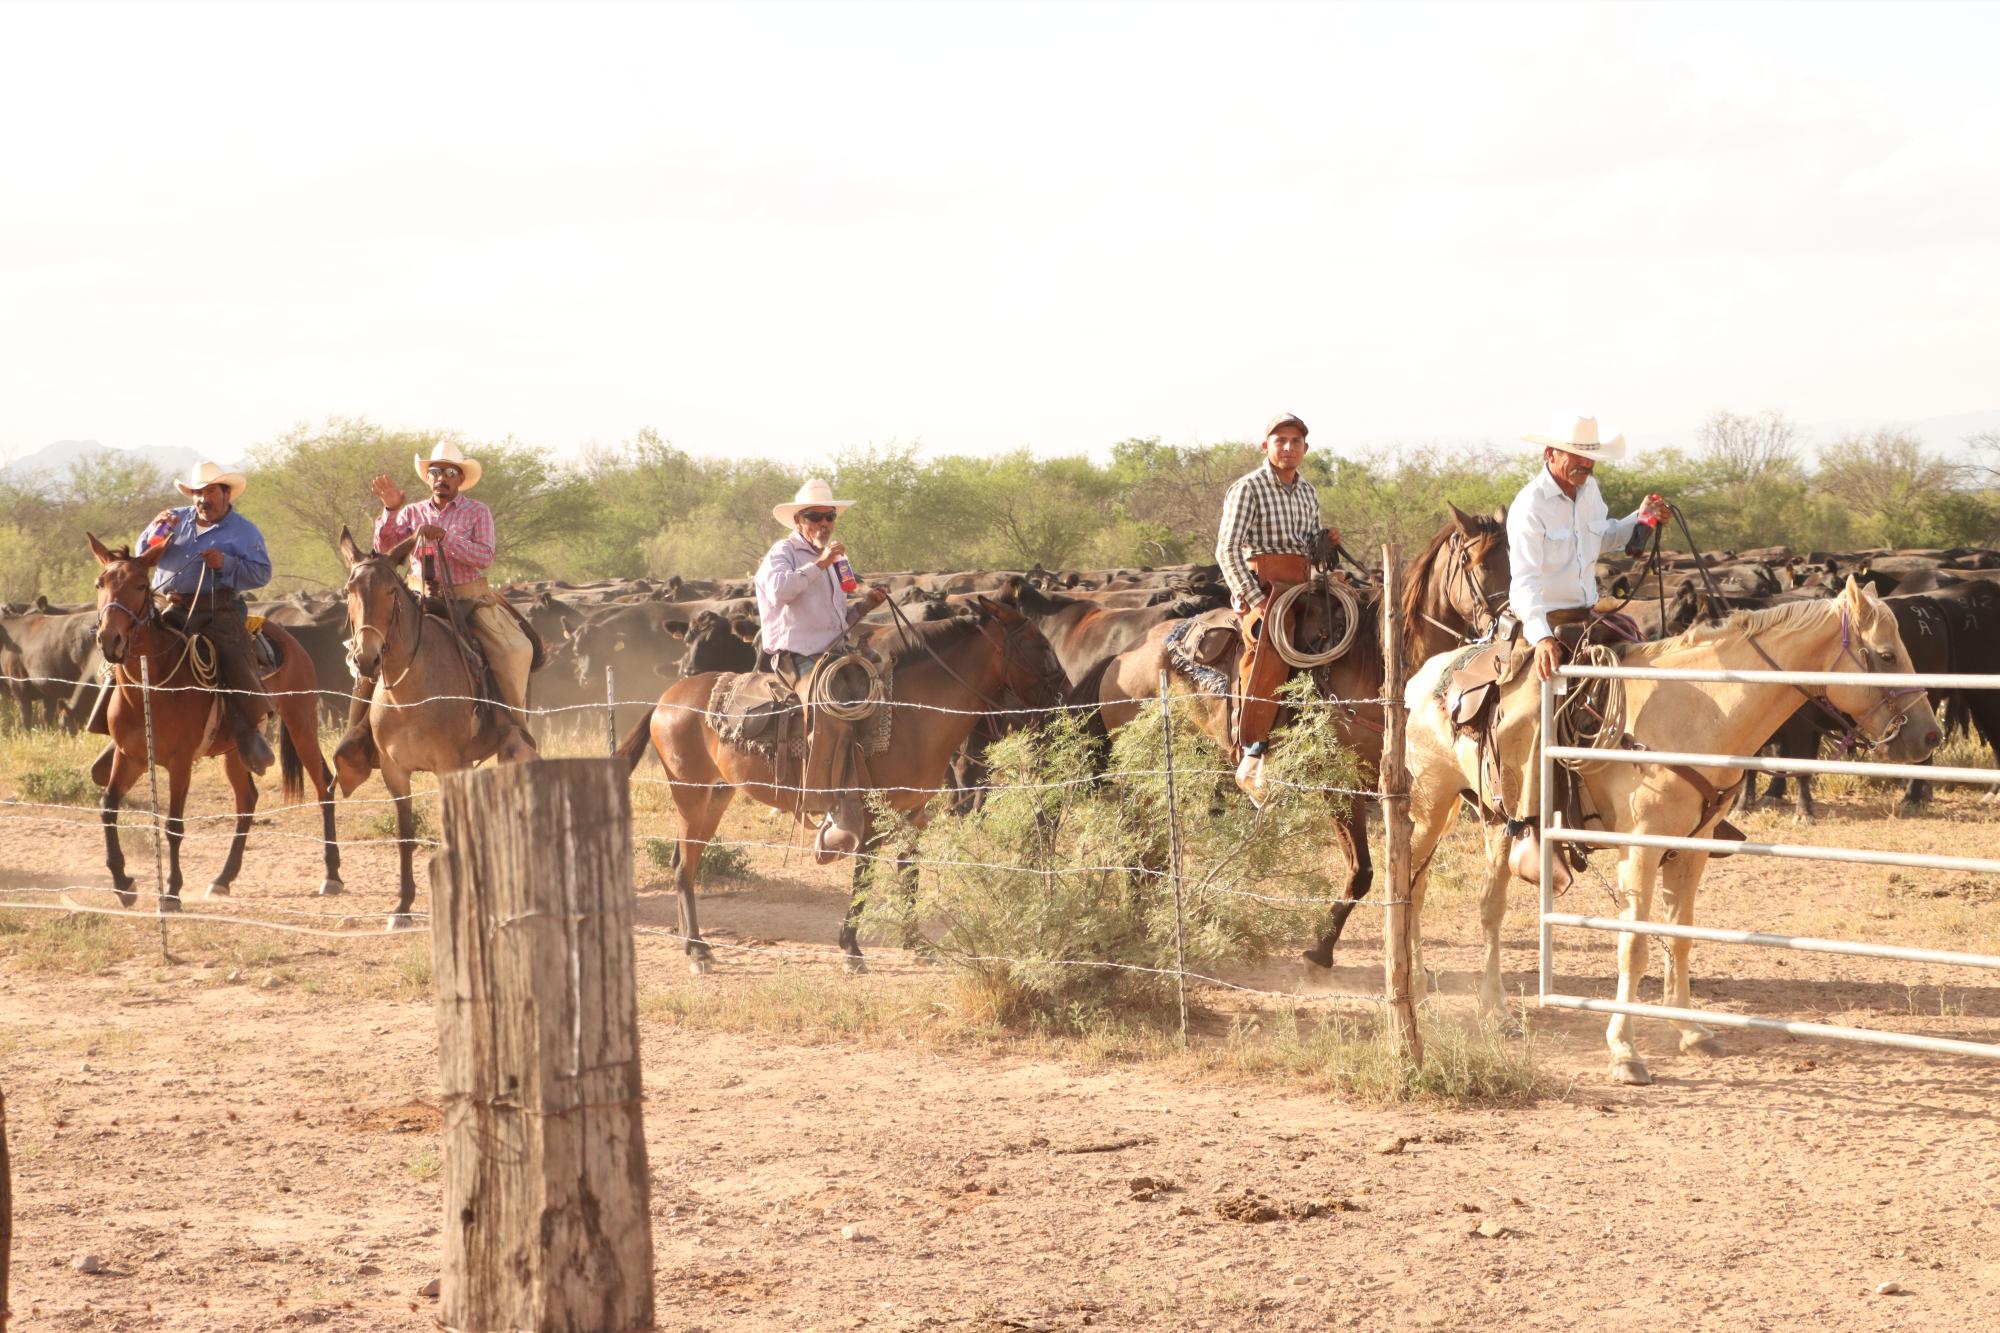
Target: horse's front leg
x=1637, y=870
x=398, y=782
x=124, y=772
x=177, y=792
x=1352, y=829
x=245, y=788
x=1679, y=878
x=1493, y=914
x=857, y=898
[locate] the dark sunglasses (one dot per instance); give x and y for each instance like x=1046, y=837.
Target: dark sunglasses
x=818, y=515
x=443, y=470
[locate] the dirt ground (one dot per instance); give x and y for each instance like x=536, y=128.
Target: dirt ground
x=246, y=1138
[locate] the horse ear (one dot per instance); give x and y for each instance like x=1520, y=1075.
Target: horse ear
x=350, y=554
x=401, y=553
x=150, y=557
x=1460, y=519
x=98, y=549
x=1500, y=515
x=1852, y=594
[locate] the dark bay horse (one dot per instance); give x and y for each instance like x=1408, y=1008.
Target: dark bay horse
x=423, y=715
x=948, y=675
x=1451, y=591
x=129, y=632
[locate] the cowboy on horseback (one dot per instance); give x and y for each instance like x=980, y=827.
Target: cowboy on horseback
x=1557, y=528
x=802, y=587
x=212, y=555
x=1270, y=535
x=799, y=595
x=456, y=544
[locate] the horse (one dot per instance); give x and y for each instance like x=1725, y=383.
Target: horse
x=424, y=714
x=947, y=676
x=1449, y=592
x=128, y=632
x=1853, y=633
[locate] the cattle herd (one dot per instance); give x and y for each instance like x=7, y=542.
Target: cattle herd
x=650, y=632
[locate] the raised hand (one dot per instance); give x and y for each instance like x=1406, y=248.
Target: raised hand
x=387, y=492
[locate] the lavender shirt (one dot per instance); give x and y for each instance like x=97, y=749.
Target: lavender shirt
x=801, y=605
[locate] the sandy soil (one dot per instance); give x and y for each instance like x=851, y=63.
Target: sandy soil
x=262, y=1153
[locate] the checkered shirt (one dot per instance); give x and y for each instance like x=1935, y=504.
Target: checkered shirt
x=1262, y=516
x=467, y=548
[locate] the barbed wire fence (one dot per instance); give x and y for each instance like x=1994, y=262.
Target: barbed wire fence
x=1390, y=795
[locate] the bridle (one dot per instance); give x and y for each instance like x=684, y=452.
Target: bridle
x=356, y=643
x=1851, y=733
x=1463, y=570
x=1053, y=681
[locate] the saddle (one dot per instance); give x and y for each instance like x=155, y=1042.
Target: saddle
x=1203, y=650
x=486, y=689
x=766, y=714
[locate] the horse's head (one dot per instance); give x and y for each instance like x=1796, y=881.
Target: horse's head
x=1480, y=572
x=124, y=595
x=375, y=597
x=1897, y=721
x=1029, y=668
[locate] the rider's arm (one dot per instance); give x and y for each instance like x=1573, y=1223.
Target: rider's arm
x=781, y=579
x=246, y=564
x=1528, y=551
x=392, y=526
x=1229, y=547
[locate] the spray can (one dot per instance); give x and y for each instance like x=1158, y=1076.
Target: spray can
x=1642, y=531
x=845, y=573
x=157, y=535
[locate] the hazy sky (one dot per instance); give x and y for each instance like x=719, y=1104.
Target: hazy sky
x=766, y=228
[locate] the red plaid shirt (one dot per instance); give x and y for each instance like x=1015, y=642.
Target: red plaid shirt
x=467, y=548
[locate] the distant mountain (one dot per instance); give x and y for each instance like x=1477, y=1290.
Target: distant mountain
x=53, y=460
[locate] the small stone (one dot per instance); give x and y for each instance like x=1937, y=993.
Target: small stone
x=87, y=1263
x=1301, y=1280
x=1889, y=1289
x=83, y=1068
x=851, y=1232
x=1491, y=1230
x=1391, y=1146
x=429, y=1291
x=235, y=975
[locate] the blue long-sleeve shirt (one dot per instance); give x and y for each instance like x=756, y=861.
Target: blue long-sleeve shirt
x=245, y=563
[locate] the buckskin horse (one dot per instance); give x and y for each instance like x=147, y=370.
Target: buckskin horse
x=1853, y=633
x=947, y=675
x=129, y=631
x=424, y=714
x=1451, y=591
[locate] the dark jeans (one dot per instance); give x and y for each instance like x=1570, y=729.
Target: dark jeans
x=235, y=659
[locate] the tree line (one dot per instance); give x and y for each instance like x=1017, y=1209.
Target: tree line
x=647, y=507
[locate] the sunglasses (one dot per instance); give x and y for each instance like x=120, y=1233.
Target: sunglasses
x=442, y=471
x=818, y=515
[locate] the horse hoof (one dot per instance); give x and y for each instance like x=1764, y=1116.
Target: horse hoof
x=126, y=895
x=700, y=967
x=1702, y=1044
x=170, y=904
x=329, y=887
x=1632, y=1073
x=400, y=921
x=1317, y=961
x=856, y=964
x=219, y=889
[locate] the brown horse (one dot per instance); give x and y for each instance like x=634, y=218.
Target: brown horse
x=948, y=675
x=129, y=632
x=423, y=713
x=1450, y=592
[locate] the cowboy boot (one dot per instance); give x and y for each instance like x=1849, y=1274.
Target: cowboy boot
x=1525, y=860
x=355, y=757
x=1250, y=775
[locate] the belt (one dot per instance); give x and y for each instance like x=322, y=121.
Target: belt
x=208, y=597
x=1569, y=615
x=472, y=588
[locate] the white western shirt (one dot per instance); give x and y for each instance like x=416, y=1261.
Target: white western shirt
x=1554, y=542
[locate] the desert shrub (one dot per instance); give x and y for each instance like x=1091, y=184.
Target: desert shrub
x=57, y=784
x=719, y=864
x=1055, y=900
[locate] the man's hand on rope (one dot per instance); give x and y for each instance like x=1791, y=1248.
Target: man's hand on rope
x=1548, y=656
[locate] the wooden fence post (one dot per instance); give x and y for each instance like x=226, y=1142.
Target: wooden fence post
x=547, y=1226
x=1394, y=785
x=6, y=1213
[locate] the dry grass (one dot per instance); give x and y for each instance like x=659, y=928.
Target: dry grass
x=61, y=942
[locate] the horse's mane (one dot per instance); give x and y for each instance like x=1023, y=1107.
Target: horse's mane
x=1792, y=615
x=1418, y=579
x=936, y=635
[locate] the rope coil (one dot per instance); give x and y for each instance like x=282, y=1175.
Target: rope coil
x=820, y=696
x=1346, y=611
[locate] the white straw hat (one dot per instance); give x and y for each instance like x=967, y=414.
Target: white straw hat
x=1576, y=433
x=452, y=454
x=206, y=474
x=815, y=494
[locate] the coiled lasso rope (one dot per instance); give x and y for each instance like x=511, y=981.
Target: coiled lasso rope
x=1278, y=623
x=819, y=695
x=1592, y=715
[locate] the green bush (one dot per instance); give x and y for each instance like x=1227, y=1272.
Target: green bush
x=719, y=864
x=57, y=784
x=1055, y=900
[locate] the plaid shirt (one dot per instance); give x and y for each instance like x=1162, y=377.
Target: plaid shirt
x=1262, y=516
x=467, y=548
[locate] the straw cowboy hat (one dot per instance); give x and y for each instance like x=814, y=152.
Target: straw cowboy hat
x=452, y=454
x=1575, y=433
x=815, y=494
x=208, y=474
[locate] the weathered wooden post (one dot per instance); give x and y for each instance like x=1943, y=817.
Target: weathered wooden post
x=1394, y=785
x=545, y=1185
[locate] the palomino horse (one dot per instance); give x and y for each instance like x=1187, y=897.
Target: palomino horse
x=1854, y=632
x=128, y=632
x=1450, y=591
x=948, y=676
x=423, y=713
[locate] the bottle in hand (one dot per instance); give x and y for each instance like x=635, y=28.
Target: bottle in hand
x=845, y=573
x=1642, y=531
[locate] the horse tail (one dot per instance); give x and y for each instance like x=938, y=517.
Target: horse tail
x=292, y=767
x=633, y=748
